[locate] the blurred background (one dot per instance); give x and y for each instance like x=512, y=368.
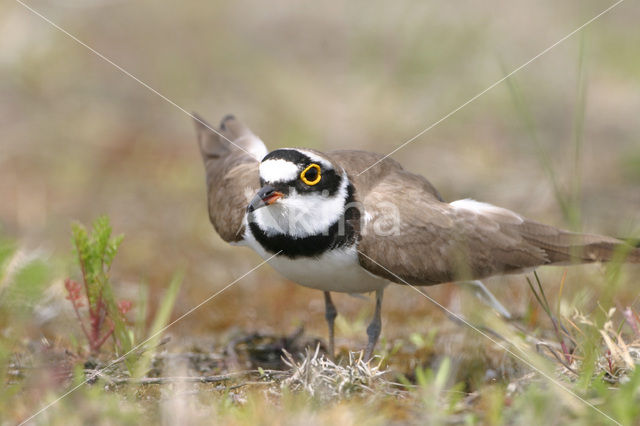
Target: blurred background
x=81, y=139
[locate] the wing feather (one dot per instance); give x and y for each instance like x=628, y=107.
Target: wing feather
x=231, y=159
x=426, y=241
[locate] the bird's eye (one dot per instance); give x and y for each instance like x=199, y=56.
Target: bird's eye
x=311, y=175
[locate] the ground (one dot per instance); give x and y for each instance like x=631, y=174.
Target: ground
x=559, y=141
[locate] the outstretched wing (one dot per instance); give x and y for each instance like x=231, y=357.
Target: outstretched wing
x=231, y=158
x=410, y=235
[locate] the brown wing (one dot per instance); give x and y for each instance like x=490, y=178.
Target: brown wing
x=412, y=234
x=232, y=173
x=354, y=162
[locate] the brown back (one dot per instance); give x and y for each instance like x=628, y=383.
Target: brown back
x=435, y=242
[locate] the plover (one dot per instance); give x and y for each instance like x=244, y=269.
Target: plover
x=338, y=230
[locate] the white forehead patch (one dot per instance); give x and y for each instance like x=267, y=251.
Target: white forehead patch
x=278, y=170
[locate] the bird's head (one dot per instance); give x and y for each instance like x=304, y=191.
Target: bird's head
x=302, y=193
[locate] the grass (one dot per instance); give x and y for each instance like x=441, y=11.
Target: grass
x=590, y=357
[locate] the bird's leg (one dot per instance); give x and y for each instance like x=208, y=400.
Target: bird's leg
x=374, y=328
x=330, y=314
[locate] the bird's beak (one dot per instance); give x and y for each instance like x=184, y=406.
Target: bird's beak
x=266, y=196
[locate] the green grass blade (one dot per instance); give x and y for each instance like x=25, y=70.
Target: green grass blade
x=160, y=321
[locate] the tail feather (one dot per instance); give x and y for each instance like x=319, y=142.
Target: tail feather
x=569, y=247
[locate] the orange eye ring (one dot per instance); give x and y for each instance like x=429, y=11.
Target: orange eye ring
x=304, y=173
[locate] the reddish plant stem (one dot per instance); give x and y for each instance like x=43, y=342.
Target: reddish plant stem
x=104, y=338
x=86, y=284
x=102, y=310
x=609, y=362
x=100, y=304
x=565, y=350
x=96, y=326
x=84, y=329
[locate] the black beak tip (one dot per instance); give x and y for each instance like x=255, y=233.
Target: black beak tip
x=255, y=204
x=258, y=200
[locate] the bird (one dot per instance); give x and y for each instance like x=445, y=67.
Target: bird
x=323, y=223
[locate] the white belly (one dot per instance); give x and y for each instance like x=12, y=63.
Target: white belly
x=336, y=270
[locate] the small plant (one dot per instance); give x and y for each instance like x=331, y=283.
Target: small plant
x=619, y=353
x=437, y=397
x=596, y=348
x=321, y=378
x=562, y=334
x=104, y=316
